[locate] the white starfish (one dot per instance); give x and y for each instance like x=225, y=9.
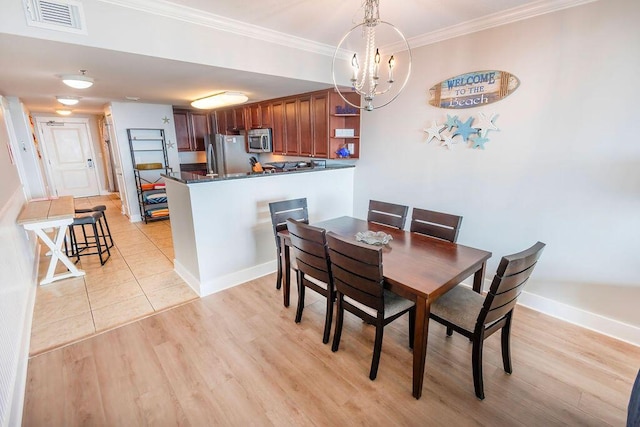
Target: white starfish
x=485, y=124
x=434, y=131
x=447, y=140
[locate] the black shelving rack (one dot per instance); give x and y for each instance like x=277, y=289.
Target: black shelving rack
x=149, y=158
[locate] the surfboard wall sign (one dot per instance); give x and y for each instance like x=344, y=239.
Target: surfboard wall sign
x=473, y=89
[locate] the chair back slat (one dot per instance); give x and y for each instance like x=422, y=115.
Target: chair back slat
x=387, y=213
x=309, y=247
x=511, y=276
x=285, y=209
x=436, y=224
x=357, y=270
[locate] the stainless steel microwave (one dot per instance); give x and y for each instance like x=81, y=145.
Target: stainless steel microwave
x=259, y=140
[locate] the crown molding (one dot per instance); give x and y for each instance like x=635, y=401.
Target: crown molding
x=508, y=16
x=171, y=10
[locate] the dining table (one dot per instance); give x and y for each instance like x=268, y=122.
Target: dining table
x=415, y=266
x=56, y=213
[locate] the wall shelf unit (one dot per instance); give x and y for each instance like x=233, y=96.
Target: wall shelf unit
x=149, y=158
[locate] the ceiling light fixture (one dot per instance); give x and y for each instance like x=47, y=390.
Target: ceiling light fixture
x=221, y=99
x=368, y=80
x=80, y=81
x=68, y=100
x=63, y=112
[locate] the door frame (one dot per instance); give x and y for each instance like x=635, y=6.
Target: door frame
x=41, y=122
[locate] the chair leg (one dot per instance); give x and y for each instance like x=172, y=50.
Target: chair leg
x=279, y=278
x=506, y=346
x=449, y=331
x=328, y=317
x=339, y=317
x=377, y=349
x=477, y=367
x=412, y=326
x=301, y=292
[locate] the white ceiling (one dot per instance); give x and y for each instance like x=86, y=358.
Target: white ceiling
x=29, y=63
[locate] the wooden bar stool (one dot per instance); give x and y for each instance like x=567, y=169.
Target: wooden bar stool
x=95, y=244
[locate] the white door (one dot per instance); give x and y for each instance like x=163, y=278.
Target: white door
x=117, y=165
x=70, y=156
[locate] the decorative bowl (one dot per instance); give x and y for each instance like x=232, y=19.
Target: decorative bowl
x=374, y=237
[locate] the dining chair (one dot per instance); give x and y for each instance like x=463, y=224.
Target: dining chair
x=309, y=246
x=357, y=275
x=387, y=213
x=435, y=224
x=280, y=212
x=477, y=317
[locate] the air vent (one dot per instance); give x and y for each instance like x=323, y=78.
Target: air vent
x=61, y=15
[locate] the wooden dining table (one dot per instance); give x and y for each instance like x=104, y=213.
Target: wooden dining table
x=415, y=266
x=58, y=213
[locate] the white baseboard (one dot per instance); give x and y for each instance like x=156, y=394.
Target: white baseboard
x=224, y=282
x=577, y=316
x=593, y=321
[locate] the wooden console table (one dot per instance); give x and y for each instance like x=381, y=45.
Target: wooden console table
x=54, y=213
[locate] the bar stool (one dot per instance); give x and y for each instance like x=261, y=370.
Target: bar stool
x=100, y=208
x=95, y=244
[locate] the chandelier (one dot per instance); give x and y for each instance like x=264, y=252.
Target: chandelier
x=373, y=74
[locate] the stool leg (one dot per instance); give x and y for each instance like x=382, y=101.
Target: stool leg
x=104, y=239
x=106, y=224
x=97, y=237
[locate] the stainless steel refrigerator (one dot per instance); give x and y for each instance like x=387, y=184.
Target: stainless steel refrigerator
x=226, y=154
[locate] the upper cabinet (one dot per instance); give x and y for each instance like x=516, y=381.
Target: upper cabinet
x=258, y=116
x=308, y=125
x=192, y=129
x=230, y=121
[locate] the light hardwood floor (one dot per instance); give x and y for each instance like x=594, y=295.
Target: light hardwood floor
x=238, y=358
x=137, y=281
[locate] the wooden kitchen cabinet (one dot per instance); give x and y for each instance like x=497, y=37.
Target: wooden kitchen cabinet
x=343, y=121
x=230, y=121
x=258, y=116
x=292, y=139
x=305, y=132
x=192, y=129
x=277, y=127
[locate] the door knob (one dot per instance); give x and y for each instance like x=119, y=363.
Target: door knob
x=89, y=163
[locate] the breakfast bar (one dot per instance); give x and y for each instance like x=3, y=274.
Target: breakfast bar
x=221, y=226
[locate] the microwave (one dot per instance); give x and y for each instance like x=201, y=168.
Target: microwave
x=259, y=140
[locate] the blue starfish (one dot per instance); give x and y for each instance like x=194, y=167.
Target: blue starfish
x=451, y=122
x=479, y=141
x=465, y=129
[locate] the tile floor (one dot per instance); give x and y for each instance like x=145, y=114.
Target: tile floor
x=137, y=281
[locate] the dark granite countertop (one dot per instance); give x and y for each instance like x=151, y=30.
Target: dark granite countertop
x=192, y=178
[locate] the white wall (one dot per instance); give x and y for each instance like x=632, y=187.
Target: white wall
x=564, y=167
x=17, y=284
x=128, y=115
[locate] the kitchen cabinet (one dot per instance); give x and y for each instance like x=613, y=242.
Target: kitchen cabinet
x=149, y=157
x=230, y=120
x=320, y=121
x=291, y=136
x=258, y=116
x=305, y=132
x=277, y=127
x=192, y=129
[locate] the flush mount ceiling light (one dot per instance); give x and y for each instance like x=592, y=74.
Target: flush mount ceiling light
x=367, y=79
x=221, y=99
x=80, y=81
x=68, y=100
x=63, y=112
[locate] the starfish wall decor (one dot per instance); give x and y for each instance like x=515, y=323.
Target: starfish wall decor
x=473, y=130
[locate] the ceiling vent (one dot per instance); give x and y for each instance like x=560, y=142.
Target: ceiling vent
x=61, y=15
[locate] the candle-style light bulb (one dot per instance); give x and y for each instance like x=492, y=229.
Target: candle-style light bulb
x=392, y=63
x=376, y=60
x=355, y=67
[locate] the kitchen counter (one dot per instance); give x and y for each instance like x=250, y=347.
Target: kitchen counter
x=192, y=177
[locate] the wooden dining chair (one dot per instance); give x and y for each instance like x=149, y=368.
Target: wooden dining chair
x=357, y=275
x=309, y=246
x=387, y=213
x=476, y=317
x=435, y=224
x=280, y=212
